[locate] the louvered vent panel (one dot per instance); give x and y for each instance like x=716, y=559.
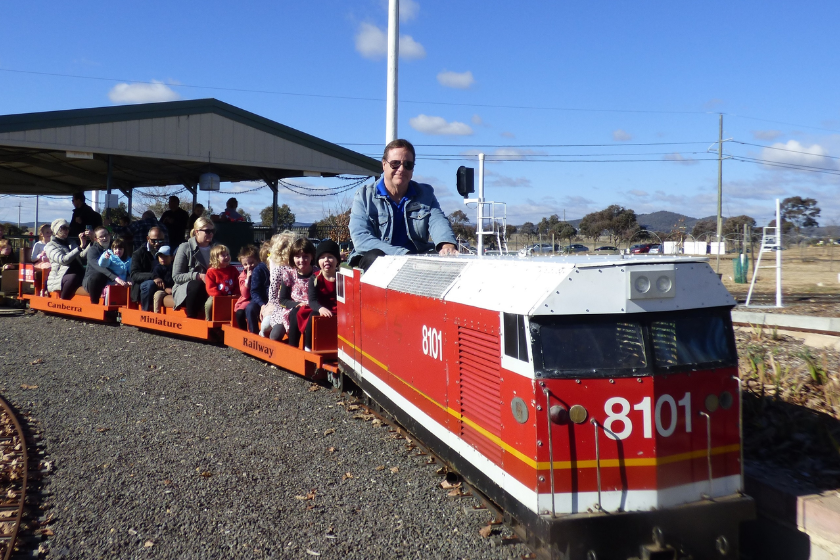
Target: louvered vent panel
x=422, y=277
x=479, y=369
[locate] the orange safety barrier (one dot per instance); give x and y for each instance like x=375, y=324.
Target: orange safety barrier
x=113, y=297
x=312, y=365
x=176, y=321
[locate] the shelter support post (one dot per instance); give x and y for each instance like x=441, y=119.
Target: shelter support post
x=129, y=194
x=108, y=189
x=273, y=186
x=194, y=190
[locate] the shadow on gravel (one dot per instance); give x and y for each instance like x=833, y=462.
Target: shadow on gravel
x=790, y=451
x=803, y=443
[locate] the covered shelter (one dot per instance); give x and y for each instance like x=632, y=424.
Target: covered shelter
x=161, y=144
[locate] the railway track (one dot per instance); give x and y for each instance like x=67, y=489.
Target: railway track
x=789, y=299
x=14, y=478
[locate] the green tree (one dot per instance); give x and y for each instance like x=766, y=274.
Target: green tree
x=285, y=216
x=546, y=224
x=564, y=230
x=735, y=225
x=460, y=225
x=705, y=226
x=528, y=229
x=801, y=212
x=592, y=226
x=116, y=213
x=616, y=221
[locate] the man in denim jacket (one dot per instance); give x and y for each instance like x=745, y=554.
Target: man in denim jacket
x=397, y=216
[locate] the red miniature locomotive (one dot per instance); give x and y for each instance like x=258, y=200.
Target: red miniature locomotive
x=594, y=399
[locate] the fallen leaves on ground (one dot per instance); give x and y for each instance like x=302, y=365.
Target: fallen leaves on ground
x=206, y=474
x=329, y=431
x=101, y=430
x=485, y=531
x=36, y=361
x=353, y=407
x=395, y=470
x=446, y=485
x=380, y=468
x=347, y=475
x=149, y=544
x=365, y=417
x=331, y=449
x=310, y=496
x=312, y=552
x=28, y=387
x=313, y=388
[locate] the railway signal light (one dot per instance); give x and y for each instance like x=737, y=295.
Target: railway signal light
x=465, y=181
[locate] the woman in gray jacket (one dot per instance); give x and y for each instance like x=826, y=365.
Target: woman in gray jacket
x=67, y=265
x=190, y=269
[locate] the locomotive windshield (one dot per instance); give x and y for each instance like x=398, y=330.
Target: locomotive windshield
x=628, y=345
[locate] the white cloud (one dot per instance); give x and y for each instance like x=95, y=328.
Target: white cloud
x=372, y=42
x=638, y=193
x=411, y=49
x=439, y=126
x=621, y=136
x=408, y=10
x=679, y=158
x=767, y=135
x=476, y=120
x=456, y=80
x=497, y=180
x=142, y=93
x=789, y=153
x=507, y=134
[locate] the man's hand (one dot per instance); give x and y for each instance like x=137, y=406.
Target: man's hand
x=448, y=249
x=324, y=312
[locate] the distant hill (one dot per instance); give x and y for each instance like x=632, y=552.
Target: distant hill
x=665, y=221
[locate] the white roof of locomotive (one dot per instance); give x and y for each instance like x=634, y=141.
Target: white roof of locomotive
x=570, y=285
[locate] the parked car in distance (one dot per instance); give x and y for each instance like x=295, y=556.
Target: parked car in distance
x=655, y=249
x=607, y=250
x=542, y=248
x=575, y=248
x=640, y=248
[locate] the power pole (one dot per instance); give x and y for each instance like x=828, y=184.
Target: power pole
x=720, y=190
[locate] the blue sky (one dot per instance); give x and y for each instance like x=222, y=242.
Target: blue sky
x=550, y=83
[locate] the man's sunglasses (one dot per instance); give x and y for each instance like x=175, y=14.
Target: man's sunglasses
x=409, y=165
x=156, y=240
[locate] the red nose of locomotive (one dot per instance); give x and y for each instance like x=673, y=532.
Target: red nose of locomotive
x=636, y=443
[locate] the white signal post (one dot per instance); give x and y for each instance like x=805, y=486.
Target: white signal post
x=479, y=230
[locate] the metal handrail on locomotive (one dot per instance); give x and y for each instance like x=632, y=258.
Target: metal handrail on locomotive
x=596, y=400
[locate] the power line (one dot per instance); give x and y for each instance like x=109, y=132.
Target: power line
x=352, y=98
x=533, y=145
x=785, y=150
x=793, y=166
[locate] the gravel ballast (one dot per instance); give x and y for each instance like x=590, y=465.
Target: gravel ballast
x=166, y=448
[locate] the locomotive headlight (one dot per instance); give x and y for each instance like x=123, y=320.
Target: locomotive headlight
x=642, y=284
x=651, y=282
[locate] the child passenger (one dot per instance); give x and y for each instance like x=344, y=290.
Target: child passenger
x=163, y=271
x=321, y=290
x=112, y=259
x=281, y=274
x=292, y=296
x=249, y=258
x=222, y=277
x=259, y=291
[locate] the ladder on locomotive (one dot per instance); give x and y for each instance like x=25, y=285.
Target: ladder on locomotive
x=771, y=241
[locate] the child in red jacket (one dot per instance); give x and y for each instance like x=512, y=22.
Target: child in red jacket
x=222, y=277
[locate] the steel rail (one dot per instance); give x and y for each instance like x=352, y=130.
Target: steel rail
x=16, y=440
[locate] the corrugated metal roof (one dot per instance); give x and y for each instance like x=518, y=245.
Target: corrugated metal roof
x=158, y=144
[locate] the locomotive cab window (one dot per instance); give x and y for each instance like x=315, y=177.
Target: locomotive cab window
x=631, y=345
x=516, y=340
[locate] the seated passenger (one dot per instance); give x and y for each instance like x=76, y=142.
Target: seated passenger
x=162, y=276
x=321, y=290
x=280, y=274
x=96, y=276
x=249, y=257
x=68, y=268
x=112, y=259
x=143, y=262
x=8, y=259
x=259, y=291
x=39, y=253
x=292, y=296
x=230, y=214
x=189, y=270
x=222, y=277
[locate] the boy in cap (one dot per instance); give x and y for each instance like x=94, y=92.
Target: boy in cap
x=163, y=270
